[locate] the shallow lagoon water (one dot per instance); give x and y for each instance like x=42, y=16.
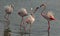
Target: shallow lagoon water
x=39, y=27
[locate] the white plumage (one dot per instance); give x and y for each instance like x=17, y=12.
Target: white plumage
x=29, y=19
x=9, y=9
x=22, y=12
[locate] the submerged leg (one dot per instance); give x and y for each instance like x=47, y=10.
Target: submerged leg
x=21, y=24
x=48, y=28
x=6, y=29
x=30, y=30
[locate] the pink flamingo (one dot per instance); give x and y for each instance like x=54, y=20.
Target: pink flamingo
x=30, y=17
x=22, y=12
x=48, y=16
x=29, y=20
x=8, y=10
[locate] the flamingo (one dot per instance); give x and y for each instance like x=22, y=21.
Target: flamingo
x=22, y=12
x=29, y=20
x=30, y=17
x=48, y=16
x=8, y=11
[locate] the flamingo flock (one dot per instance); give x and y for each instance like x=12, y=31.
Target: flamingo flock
x=30, y=17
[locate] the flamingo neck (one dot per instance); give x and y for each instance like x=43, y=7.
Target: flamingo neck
x=48, y=25
x=36, y=9
x=43, y=10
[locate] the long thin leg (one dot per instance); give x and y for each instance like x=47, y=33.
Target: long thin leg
x=8, y=23
x=6, y=30
x=24, y=27
x=30, y=30
x=48, y=28
x=6, y=16
x=21, y=24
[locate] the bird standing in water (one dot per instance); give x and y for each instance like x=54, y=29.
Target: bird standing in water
x=22, y=12
x=48, y=16
x=8, y=11
x=29, y=20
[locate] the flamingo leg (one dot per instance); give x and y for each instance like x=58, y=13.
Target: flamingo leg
x=8, y=22
x=21, y=24
x=30, y=30
x=6, y=29
x=5, y=16
x=5, y=25
x=24, y=27
x=48, y=28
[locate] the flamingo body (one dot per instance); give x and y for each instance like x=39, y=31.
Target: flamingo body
x=9, y=9
x=30, y=19
x=48, y=16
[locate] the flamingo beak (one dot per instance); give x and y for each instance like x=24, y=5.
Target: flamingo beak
x=52, y=18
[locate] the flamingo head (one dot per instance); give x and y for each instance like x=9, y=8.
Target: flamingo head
x=43, y=5
x=51, y=15
x=52, y=18
x=22, y=12
x=12, y=6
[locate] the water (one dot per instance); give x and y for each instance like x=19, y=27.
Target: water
x=39, y=27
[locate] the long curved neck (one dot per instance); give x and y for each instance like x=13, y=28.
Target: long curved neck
x=32, y=14
x=35, y=10
x=43, y=10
